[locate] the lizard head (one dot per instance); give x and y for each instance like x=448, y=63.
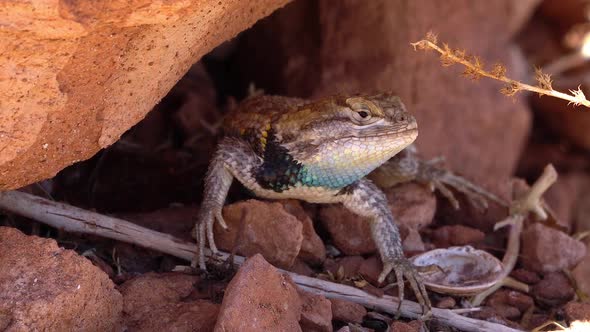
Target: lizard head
x=343, y=138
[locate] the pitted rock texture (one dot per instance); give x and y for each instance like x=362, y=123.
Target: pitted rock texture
x=75, y=75
x=47, y=288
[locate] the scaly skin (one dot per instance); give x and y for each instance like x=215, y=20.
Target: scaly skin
x=319, y=152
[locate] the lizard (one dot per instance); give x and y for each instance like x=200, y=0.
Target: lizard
x=322, y=152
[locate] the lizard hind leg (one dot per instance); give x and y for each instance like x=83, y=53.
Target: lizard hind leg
x=232, y=157
x=367, y=200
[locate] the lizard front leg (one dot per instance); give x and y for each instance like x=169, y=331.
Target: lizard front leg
x=233, y=158
x=367, y=200
x=406, y=166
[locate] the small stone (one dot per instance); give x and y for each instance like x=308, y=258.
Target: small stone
x=512, y=298
x=370, y=269
x=259, y=298
x=300, y=267
x=491, y=315
x=507, y=311
x=312, y=250
x=347, y=266
x=346, y=311
x=538, y=249
x=456, y=235
x=446, y=302
x=577, y=311
x=399, y=326
x=526, y=276
x=158, y=302
x=412, y=242
x=581, y=273
x=316, y=313
x=554, y=289
x=267, y=229
x=350, y=233
x=412, y=205
x=45, y=287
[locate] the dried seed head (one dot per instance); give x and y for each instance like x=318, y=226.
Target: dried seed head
x=543, y=80
x=499, y=70
x=510, y=89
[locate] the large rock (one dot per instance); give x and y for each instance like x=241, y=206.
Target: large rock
x=258, y=227
x=161, y=302
x=75, y=75
x=354, y=46
x=46, y=288
x=259, y=298
x=539, y=253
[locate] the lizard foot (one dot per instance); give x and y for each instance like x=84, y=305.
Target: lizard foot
x=402, y=267
x=442, y=180
x=203, y=233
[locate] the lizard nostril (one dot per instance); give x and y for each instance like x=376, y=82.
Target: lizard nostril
x=401, y=118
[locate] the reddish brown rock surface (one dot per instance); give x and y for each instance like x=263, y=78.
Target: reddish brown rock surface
x=546, y=249
x=456, y=235
x=347, y=311
x=72, y=67
x=554, y=289
x=316, y=313
x=266, y=228
x=581, y=274
x=577, y=311
x=45, y=287
x=312, y=250
x=259, y=298
x=157, y=302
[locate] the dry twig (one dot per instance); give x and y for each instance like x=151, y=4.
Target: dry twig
x=474, y=68
x=530, y=203
x=73, y=219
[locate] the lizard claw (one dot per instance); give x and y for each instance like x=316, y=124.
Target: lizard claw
x=402, y=267
x=203, y=233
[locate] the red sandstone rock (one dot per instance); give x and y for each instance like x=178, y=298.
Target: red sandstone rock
x=526, y=276
x=73, y=67
x=554, y=289
x=316, y=313
x=45, y=287
x=577, y=311
x=399, y=326
x=546, y=249
x=511, y=298
x=370, y=269
x=266, y=228
x=312, y=250
x=413, y=205
x=446, y=302
x=157, y=302
x=259, y=298
x=581, y=274
x=351, y=234
x=347, y=311
x=348, y=266
x=456, y=235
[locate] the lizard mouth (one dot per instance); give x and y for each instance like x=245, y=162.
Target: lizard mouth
x=410, y=131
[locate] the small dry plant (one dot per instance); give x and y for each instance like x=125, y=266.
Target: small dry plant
x=475, y=69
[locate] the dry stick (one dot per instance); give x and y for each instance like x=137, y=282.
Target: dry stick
x=520, y=209
x=73, y=219
x=577, y=98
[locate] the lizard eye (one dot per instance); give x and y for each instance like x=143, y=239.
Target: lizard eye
x=361, y=116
